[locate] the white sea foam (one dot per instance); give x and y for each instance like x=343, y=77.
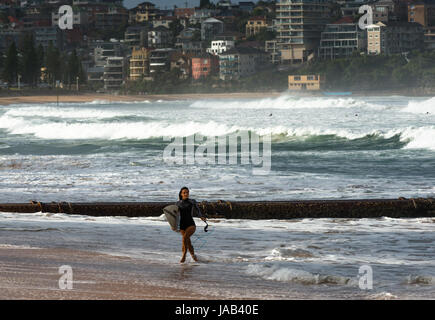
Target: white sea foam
x=420, y=280
x=421, y=107
x=114, y=130
x=289, y=254
x=13, y=246
x=284, y=274
x=419, y=138
x=69, y=112
x=382, y=296
x=415, y=137
x=285, y=102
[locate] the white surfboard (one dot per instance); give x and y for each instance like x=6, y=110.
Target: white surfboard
x=171, y=212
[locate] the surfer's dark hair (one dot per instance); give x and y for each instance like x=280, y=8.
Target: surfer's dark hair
x=179, y=194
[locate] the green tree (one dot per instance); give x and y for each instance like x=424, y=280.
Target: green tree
x=72, y=68
x=204, y=4
x=30, y=64
x=2, y=58
x=10, y=70
x=263, y=35
x=53, y=62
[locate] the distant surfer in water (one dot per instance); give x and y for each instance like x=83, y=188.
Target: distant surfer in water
x=185, y=222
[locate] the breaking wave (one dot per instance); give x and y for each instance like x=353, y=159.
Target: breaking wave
x=127, y=127
x=285, y=102
x=425, y=106
x=283, y=274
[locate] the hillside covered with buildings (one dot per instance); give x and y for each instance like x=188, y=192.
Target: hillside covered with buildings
x=222, y=46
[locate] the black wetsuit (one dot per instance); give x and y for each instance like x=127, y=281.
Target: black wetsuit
x=186, y=219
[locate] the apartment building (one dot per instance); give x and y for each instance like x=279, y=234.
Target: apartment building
x=188, y=41
x=164, y=21
x=112, y=18
x=239, y=62
x=139, y=63
x=204, y=65
x=159, y=60
x=114, y=73
x=394, y=37
x=423, y=12
x=143, y=12
x=136, y=36
x=95, y=76
x=255, y=25
x=219, y=46
x=211, y=27
x=45, y=35
x=159, y=37
x=305, y=82
x=389, y=10
x=272, y=48
x=342, y=40
x=184, y=12
x=300, y=23
x=104, y=50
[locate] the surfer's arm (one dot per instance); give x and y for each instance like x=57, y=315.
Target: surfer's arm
x=200, y=215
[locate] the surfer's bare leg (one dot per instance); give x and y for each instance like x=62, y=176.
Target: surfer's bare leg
x=183, y=248
x=190, y=231
x=187, y=244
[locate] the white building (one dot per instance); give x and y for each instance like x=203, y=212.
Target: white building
x=220, y=46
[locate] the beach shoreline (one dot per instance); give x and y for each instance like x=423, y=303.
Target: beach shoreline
x=83, y=98
x=33, y=273
x=90, y=97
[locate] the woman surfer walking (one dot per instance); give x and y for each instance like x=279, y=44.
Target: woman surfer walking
x=185, y=222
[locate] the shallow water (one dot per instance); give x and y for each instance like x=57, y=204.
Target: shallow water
x=265, y=259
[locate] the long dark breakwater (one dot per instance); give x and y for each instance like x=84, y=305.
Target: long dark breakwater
x=364, y=208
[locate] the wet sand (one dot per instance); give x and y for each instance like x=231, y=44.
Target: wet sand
x=34, y=274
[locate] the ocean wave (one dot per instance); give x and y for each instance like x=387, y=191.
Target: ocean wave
x=420, y=280
x=13, y=246
x=102, y=101
x=113, y=130
x=285, y=254
x=419, y=138
x=285, y=102
x=126, y=126
x=284, y=274
x=65, y=113
x=421, y=107
x=382, y=296
x=28, y=229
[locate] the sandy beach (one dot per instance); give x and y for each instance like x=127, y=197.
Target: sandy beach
x=7, y=100
x=30, y=273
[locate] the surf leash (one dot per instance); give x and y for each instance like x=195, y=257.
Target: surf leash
x=200, y=237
